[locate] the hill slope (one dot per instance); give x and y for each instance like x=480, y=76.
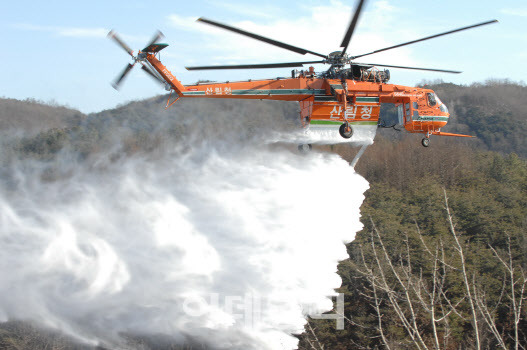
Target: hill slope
x=494, y=112
x=31, y=117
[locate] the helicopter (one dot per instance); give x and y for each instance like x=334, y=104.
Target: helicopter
x=342, y=99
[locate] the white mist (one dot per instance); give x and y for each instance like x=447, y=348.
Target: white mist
x=229, y=249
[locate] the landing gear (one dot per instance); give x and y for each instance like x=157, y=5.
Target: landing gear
x=346, y=131
x=304, y=147
x=425, y=142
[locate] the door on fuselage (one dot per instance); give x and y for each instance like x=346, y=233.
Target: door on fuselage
x=404, y=113
x=409, y=112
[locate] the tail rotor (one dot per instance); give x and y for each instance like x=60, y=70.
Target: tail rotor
x=152, y=74
x=113, y=36
x=158, y=35
x=141, y=58
x=116, y=84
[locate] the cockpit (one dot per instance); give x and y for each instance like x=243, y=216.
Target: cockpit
x=433, y=100
x=425, y=108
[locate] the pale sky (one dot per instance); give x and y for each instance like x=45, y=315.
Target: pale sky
x=57, y=50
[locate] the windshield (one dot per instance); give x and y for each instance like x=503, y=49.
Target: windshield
x=437, y=99
x=431, y=99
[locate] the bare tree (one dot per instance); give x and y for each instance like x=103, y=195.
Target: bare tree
x=418, y=296
x=459, y=248
x=412, y=296
x=312, y=338
x=514, y=283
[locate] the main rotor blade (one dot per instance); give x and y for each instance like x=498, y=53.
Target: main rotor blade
x=351, y=28
x=118, y=81
x=113, y=35
x=156, y=37
x=428, y=37
x=152, y=74
x=403, y=67
x=250, y=66
x=261, y=38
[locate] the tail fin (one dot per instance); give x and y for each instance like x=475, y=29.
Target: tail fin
x=154, y=48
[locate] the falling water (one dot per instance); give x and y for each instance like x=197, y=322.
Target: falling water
x=225, y=243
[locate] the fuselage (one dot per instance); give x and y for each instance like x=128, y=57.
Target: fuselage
x=327, y=103
x=322, y=100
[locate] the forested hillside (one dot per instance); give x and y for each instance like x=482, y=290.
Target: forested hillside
x=417, y=277
x=414, y=279
x=30, y=117
x=493, y=111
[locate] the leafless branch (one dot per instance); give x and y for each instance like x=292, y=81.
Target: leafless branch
x=459, y=249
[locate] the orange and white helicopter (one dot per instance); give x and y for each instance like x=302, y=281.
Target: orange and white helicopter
x=345, y=97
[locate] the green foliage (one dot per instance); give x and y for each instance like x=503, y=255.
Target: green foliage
x=494, y=112
x=488, y=196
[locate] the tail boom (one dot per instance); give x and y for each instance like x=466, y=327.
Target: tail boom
x=169, y=78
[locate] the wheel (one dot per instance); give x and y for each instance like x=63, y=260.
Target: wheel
x=344, y=133
x=304, y=147
x=425, y=142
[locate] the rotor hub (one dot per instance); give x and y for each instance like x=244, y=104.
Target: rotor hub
x=338, y=59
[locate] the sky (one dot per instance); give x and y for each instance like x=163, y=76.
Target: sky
x=57, y=51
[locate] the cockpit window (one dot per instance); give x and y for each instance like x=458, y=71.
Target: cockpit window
x=431, y=99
